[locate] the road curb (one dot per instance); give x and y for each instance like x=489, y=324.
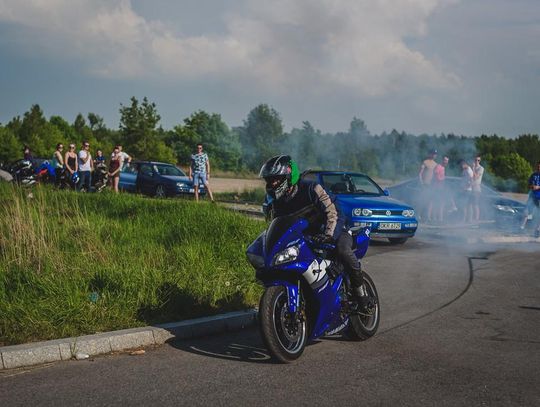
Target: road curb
x=37, y=353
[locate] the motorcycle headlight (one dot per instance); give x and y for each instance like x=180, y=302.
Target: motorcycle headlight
x=256, y=261
x=287, y=255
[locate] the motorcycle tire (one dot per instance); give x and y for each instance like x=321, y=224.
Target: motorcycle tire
x=284, y=339
x=362, y=327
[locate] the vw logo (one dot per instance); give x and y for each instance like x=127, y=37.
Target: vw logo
x=388, y=213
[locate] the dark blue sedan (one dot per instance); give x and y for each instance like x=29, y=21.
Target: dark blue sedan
x=156, y=179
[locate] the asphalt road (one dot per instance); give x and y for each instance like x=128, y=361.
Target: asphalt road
x=460, y=326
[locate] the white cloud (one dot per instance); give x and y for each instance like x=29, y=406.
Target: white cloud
x=317, y=45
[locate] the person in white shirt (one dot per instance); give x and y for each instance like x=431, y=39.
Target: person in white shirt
x=476, y=184
x=86, y=166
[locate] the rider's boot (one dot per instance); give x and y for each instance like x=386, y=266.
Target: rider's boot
x=366, y=305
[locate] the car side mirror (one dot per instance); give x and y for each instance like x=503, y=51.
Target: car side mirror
x=386, y=192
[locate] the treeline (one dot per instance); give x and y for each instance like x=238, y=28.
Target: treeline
x=395, y=155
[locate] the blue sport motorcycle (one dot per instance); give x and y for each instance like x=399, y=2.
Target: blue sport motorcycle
x=307, y=293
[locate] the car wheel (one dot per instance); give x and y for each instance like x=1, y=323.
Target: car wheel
x=397, y=240
x=160, y=192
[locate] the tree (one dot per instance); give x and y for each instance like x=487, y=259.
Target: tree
x=511, y=167
x=262, y=136
x=138, y=124
x=10, y=147
x=219, y=141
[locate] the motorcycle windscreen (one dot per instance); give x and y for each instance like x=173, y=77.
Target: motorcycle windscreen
x=279, y=227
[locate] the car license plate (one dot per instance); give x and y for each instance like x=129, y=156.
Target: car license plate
x=389, y=226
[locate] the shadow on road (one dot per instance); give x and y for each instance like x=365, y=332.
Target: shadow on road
x=239, y=346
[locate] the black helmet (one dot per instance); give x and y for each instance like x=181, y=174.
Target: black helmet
x=282, y=168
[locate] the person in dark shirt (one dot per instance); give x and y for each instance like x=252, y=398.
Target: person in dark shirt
x=306, y=199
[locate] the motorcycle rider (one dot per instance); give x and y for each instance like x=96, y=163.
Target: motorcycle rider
x=307, y=199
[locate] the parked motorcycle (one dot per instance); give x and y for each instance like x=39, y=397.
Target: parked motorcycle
x=100, y=177
x=23, y=172
x=307, y=293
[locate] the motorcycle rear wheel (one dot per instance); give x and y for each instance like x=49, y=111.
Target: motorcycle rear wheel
x=362, y=327
x=284, y=335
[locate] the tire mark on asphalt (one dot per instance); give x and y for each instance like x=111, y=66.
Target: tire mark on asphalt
x=461, y=294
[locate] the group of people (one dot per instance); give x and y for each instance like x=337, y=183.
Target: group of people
x=79, y=166
x=437, y=197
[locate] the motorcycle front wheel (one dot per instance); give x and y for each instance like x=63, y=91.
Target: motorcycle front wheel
x=284, y=334
x=362, y=327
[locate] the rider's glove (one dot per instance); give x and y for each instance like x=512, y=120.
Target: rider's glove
x=322, y=239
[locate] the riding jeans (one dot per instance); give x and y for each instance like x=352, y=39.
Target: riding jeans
x=349, y=260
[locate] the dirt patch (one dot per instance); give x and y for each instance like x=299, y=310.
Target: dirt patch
x=234, y=184
x=517, y=197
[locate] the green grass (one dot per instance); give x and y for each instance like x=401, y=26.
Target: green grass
x=73, y=264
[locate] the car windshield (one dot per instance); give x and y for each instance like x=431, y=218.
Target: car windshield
x=356, y=184
x=169, y=170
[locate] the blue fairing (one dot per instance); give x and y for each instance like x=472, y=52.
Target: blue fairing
x=306, y=270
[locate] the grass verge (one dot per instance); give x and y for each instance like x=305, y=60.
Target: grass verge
x=74, y=264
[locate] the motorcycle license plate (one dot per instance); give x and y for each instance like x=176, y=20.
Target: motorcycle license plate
x=389, y=226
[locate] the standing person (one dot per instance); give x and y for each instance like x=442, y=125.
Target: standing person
x=27, y=154
x=534, y=186
x=439, y=189
x=478, y=172
x=72, y=164
x=57, y=162
x=199, y=171
x=86, y=165
x=125, y=158
x=426, y=177
x=466, y=191
x=114, y=168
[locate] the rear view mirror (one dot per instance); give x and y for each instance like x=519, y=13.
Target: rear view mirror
x=386, y=192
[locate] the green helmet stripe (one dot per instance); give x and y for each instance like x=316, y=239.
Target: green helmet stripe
x=295, y=174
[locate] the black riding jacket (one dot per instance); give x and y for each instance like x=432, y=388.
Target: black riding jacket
x=310, y=201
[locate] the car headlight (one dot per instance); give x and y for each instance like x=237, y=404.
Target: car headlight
x=180, y=185
x=505, y=208
x=409, y=213
x=287, y=255
x=255, y=260
x=362, y=212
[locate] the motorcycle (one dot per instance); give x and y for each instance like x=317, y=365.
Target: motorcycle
x=101, y=177
x=23, y=173
x=307, y=292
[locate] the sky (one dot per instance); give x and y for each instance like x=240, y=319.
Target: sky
x=467, y=67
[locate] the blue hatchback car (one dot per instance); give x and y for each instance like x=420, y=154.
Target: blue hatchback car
x=156, y=179
x=364, y=203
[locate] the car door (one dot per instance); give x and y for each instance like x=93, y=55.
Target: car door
x=128, y=178
x=145, y=180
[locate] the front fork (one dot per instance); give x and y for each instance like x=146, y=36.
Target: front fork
x=293, y=297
